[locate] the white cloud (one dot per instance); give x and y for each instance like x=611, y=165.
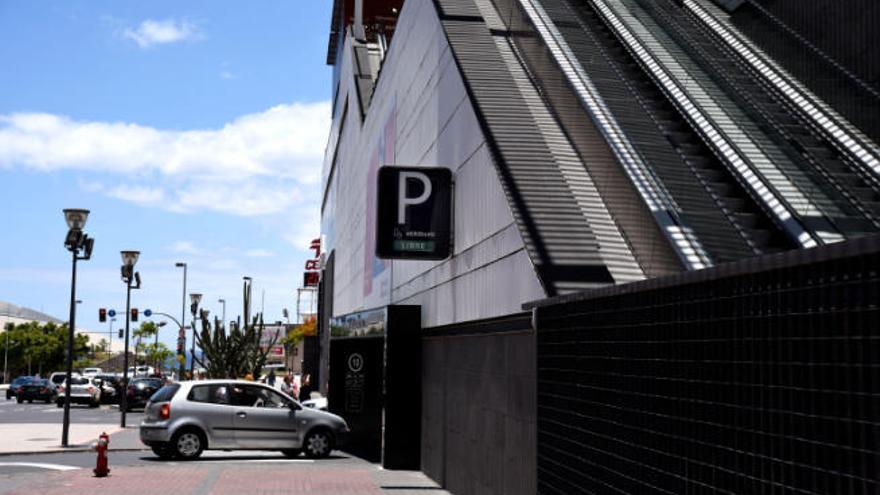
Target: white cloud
x=227, y=75
x=258, y=164
x=259, y=253
x=152, y=32
x=146, y=196
x=185, y=247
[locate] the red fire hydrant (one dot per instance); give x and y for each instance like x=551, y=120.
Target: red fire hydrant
x=101, y=469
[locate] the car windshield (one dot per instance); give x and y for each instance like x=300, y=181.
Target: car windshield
x=22, y=380
x=147, y=383
x=165, y=393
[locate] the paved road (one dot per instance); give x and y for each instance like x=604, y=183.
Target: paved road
x=12, y=412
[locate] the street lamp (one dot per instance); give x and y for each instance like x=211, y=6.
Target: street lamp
x=195, y=299
x=129, y=259
x=80, y=246
x=110, y=349
x=6, y=355
x=181, y=335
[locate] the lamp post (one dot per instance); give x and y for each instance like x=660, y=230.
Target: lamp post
x=6, y=355
x=129, y=259
x=110, y=334
x=76, y=242
x=181, y=335
x=194, y=298
x=223, y=302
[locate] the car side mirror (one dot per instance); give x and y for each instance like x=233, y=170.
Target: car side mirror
x=293, y=406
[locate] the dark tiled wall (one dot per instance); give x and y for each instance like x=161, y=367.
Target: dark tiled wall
x=478, y=413
x=757, y=377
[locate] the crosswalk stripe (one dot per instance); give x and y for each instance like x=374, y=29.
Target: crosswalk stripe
x=41, y=465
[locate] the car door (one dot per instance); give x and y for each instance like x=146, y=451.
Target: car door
x=262, y=418
x=210, y=405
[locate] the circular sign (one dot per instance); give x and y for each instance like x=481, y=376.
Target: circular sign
x=356, y=362
x=111, y=313
x=148, y=313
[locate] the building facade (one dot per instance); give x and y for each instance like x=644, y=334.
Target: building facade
x=591, y=143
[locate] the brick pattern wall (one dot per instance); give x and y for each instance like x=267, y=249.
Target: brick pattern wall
x=758, y=379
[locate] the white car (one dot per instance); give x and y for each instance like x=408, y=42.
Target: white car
x=141, y=371
x=319, y=403
x=92, y=371
x=58, y=378
x=83, y=390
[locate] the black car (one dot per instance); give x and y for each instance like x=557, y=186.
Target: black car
x=16, y=385
x=111, y=389
x=140, y=390
x=36, y=390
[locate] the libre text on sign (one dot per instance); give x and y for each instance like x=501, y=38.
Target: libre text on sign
x=414, y=213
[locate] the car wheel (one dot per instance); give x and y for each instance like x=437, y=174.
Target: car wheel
x=164, y=452
x=48, y=401
x=188, y=444
x=59, y=403
x=19, y=400
x=292, y=453
x=318, y=444
x=30, y=401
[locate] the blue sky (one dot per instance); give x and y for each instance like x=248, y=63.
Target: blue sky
x=193, y=131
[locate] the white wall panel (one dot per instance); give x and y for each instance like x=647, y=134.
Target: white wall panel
x=435, y=125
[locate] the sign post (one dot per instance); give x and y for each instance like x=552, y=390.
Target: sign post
x=414, y=213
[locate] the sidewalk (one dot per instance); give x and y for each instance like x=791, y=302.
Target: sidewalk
x=334, y=476
x=44, y=438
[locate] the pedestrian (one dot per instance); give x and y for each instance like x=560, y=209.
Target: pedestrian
x=305, y=388
x=294, y=387
x=286, y=386
x=249, y=377
x=271, y=379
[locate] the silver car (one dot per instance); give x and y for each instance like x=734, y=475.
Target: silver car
x=183, y=419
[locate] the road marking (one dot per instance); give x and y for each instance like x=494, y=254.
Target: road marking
x=41, y=465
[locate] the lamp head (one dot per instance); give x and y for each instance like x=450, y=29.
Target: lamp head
x=180, y=265
x=195, y=298
x=76, y=218
x=161, y=323
x=130, y=258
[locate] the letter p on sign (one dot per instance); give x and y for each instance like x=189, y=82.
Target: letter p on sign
x=403, y=200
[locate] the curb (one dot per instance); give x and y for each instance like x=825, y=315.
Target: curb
x=77, y=449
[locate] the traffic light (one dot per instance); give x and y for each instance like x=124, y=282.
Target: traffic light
x=120, y=333
x=102, y=315
x=134, y=314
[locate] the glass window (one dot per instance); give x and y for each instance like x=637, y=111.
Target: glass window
x=210, y=394
x=256, y=396
x=165, y=393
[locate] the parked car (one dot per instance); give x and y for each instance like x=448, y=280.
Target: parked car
x=140, y=390
x=38, y=389
x=92, y=371
x=319, y=403
x=111, y=387
x=83, y=390
x=58, y=378
x=183, y=419
x=16, y=385
x=141, y=371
